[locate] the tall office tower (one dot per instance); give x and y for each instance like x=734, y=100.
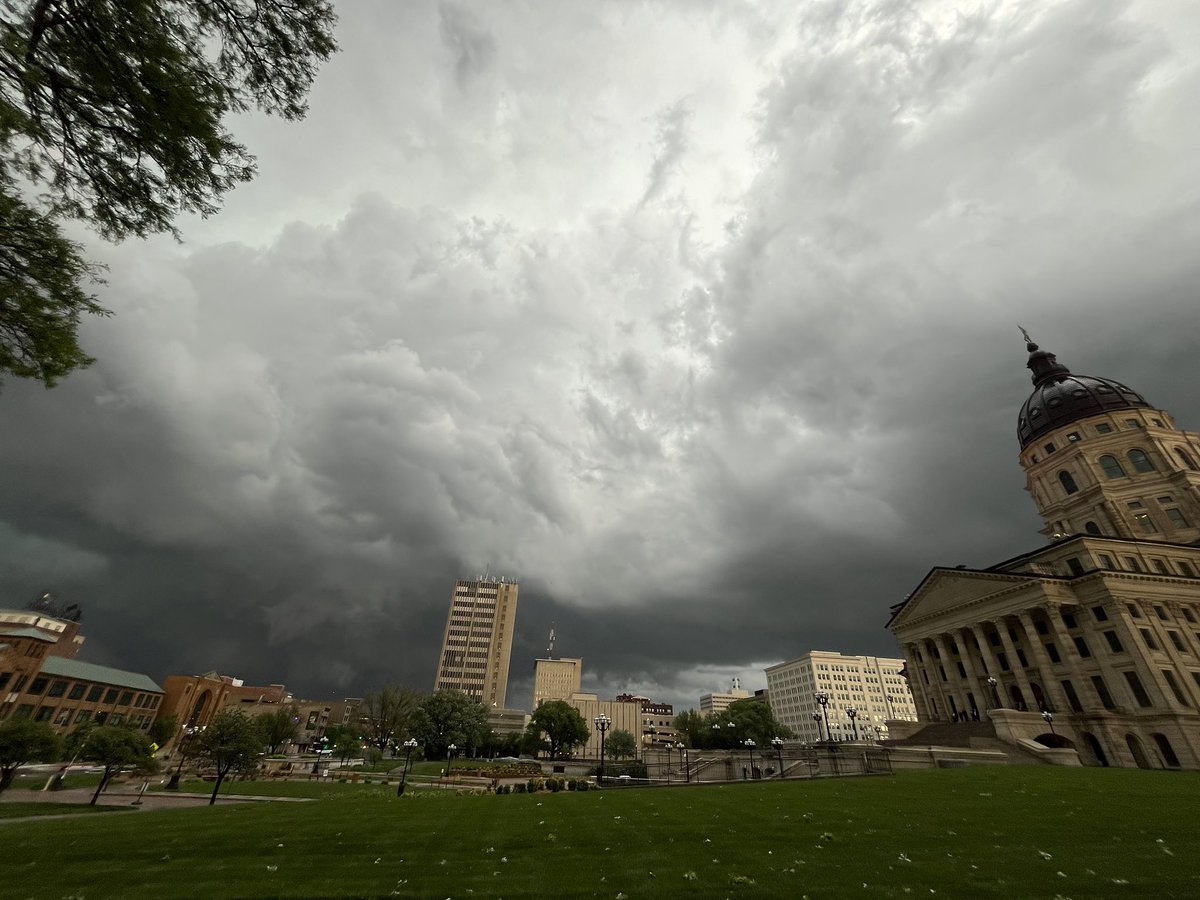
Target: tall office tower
x=478, y=641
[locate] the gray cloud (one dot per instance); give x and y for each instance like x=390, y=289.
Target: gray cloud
x=717, y=380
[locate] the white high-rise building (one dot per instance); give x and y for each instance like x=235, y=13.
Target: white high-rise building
x=478, y=640
x=871, y=685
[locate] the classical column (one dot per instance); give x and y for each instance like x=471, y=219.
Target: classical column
x=1152, y=681
x=1014, y=662
x=991, y=663
x=1054, y=692
x=936, y=689
x=983, y=696
x=947, y=664
x=916, y=684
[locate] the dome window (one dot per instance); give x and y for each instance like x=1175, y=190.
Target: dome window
x=1068, y=482
x=1111, y=467
x=1049, y=448
x=1073, y=436
x=1186, y=459
x=1092, y=528
x=1141, y=462
x=1103, y=428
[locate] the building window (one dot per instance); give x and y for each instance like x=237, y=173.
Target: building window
x=1049, y=448
x=1177, y=640
x=1103, y=428
x=111, y=695
x=1177, y=518
x=4, y=677
x=1068, y=482
x=39, y=685
x=1133, y=423
x=94, y=693
x=1148, y=638
x=1186, y=459
x=1160, y=566
x=1114, y=642
x=1075, y=566
x=1139, y=692
x=24, y=711
x=1069, y=620
x=1052, y=652
x=84, y=715
x=1187, y=614
x=1101, y=688
x=44, y=714
x=1134, y=610
x=1082, y=647
x=1002, y=657
x=1099, y=613
x=126, y=698
x=1073, y=436
x=77, y=690
x=1072, y=697
x=1132, y=564
x=1145, y=522
x=1140, y=461
x=1112, y=468
x=1091, y=528
x=1185, y=568
x=1161, y=613
x=57, y=689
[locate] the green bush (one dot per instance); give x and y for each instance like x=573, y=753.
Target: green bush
x=571, y=785
x=536, y=784
x=521, y=787
x=555, y=784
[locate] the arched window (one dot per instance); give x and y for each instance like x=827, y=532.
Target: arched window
x=1141, y=462
x=1111, y=467
x=1068, y=482
x=1186, y=458
x=1092, y=528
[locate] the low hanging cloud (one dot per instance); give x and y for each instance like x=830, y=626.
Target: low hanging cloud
x=717, y=367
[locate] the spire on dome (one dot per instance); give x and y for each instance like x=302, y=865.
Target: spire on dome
x=1042, y=363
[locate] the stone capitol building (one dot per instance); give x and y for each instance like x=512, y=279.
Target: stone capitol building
x=1100, y=628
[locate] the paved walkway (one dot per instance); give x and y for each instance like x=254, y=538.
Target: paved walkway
x=124, y=797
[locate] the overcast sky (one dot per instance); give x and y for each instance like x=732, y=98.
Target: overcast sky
x=699, y=319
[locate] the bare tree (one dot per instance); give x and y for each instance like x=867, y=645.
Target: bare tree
x=385, y=714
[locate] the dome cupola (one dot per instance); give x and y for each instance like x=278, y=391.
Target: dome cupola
x=1060, y=397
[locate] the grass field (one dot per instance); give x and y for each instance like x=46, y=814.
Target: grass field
x=1012, y=833
x=24, y=810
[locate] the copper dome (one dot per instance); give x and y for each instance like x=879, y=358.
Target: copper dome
x=1060, y=397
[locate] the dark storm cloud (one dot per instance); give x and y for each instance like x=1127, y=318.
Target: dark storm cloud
x=718, y=368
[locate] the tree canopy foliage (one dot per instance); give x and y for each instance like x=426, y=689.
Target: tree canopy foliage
x=230, y=742
x=113, y=113
x=561, y=725
x=621, y=744
x=24, y=741
x=743, y=719
x=116, y=747
x=278, y=727
x=386, y=714
x=448, y=717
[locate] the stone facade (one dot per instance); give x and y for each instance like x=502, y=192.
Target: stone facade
x=1100, y=629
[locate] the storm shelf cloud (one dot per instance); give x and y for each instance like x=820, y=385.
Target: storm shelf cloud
x=699, y=319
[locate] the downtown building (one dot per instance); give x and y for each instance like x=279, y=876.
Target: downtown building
x=478, y=640
x=1099, y=629
x=873, y=686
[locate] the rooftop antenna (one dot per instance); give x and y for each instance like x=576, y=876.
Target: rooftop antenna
x=550, y=649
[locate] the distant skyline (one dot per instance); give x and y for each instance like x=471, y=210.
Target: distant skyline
x=698, y=319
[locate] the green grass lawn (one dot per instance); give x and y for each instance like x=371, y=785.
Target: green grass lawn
x=1011, y=833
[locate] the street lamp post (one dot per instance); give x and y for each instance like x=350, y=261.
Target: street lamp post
x=823, y=699
x=853, y=714
x=777, y=743
x=1049, y=717
x=749, y=744
x=817, y=719
x=409, y=746
x=991, y=680
x=188, y=731
x=687, y=775
x=602, y=723
x=449, y=752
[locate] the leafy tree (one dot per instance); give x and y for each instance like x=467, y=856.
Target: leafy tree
x=562, y=726
x=163, y=729
x=24, y=741
x=621, y=745
x=690, y=726
x=116, y=748
x=230, y=742
x=114, y=113
x=386, y=713
x=448, y=717
x=754, y=719
x=277, y=727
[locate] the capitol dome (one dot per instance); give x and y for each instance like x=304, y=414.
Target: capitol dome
x=1060, y=397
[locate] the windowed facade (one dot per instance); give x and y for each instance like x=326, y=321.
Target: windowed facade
x=1112, y=468
x=1140, y=461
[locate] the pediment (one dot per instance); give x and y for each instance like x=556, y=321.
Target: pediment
x=944, y=590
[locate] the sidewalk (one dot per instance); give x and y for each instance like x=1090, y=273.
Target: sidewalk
x=125, y=796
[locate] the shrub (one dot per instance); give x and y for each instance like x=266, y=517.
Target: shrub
x=555, y=784
x=521, y=787
x=571, y=785
x=536, y=784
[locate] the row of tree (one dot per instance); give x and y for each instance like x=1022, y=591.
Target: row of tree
x=729, y=730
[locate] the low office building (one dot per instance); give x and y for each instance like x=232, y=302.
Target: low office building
x=40, y=678
x=872, y=686
x=715, y=704
x=556, y=679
